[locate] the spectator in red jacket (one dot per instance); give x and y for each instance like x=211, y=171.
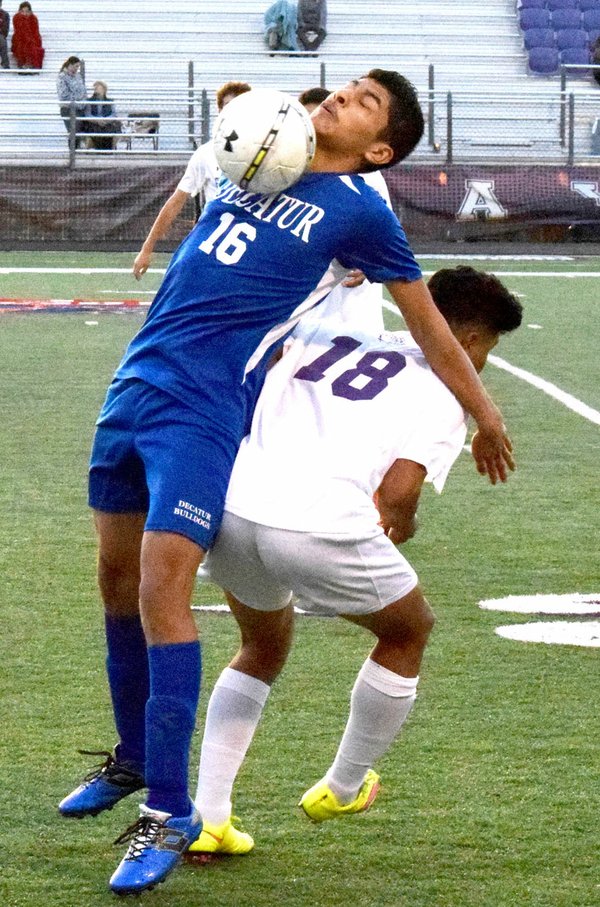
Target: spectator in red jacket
x=4, y=26
x=27, y=41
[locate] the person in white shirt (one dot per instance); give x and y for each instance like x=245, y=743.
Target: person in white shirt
x=200, y=179
x=347, y=428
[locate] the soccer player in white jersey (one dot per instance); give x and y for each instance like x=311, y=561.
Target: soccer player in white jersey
x=179, y=405
x=356, y=300
x=344, y=418
x=199, y=180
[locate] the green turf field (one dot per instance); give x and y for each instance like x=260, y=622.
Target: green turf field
x=490, y=798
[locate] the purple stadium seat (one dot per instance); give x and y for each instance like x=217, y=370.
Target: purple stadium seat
x=571, y=37
x=538, y=37
x=593, y=36
x=532, y=4
x=534, y=18
x=591, y=19
x=543, y=61
x=578, y=56
x=562, y=4
x=588, y=4
x=565, y=18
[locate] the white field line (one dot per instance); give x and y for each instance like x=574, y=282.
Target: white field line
x=582, y=409
x=502, y=273
x=455, y=256
x=76, y=270
x=572, y=403
x=571, y=275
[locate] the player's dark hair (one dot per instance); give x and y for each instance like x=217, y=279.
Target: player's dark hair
x=466, y=296
x=234, y=88
x=405, y=123
x=69, y=62
x=313, y=96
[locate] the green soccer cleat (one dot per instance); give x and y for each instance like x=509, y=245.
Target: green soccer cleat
x=320, y=803
x=221, y=839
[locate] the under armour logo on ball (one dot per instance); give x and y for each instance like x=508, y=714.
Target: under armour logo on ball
x=229, y=139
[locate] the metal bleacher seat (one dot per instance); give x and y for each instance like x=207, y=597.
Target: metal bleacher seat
x=543, y=61
x=571, y=37
x=538, y=37
x=534, y=18
x=562, y=4
x=591, y=19
x=576, y=56
x=565, y=18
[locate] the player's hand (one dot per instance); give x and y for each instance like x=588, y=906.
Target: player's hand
x=141, y=264
x=492, y=452
x=398, y=530
x=354, y=278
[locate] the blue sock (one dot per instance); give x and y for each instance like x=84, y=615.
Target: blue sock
x=128, y=678
x=170, y=720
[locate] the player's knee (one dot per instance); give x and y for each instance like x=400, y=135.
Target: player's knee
x=409, y=622
x=118, y=581
x=263, y=654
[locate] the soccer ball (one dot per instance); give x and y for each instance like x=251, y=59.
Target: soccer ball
x=264, y=140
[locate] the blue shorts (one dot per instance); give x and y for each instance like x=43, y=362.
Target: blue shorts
x=152, y=454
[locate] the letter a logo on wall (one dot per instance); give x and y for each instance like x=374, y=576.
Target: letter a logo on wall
x=588, y=190
x=480, y=202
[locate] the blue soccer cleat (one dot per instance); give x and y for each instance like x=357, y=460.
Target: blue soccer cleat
x=103, y=787
x=158, y=841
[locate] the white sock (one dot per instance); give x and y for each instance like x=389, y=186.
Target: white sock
x=379, y=706
x=234, y=710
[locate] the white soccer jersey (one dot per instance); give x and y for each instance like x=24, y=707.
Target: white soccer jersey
x=359, y=306
x=334, y=414
x=201, y=174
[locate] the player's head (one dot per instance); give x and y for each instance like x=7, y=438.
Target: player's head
x=229, y=91
x=72, y=64
x=311, y=98
x=478, y=308
x=405, y=124
x=100, y=89
x=371, y=123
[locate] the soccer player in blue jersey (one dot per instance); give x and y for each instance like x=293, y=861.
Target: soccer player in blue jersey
x=176, y=411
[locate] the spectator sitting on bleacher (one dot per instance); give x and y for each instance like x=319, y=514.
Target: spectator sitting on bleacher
x=199, y=180
x=312, y=23
x=102, y=119
x=27, y=41
x=70, y=87
x=4, y=26
x=596, y=59
x=281, y=22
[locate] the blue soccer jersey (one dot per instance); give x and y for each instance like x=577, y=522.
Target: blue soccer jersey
x=243, y=277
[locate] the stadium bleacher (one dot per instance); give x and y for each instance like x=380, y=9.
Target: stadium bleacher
x=148, y=61
x=559, y=32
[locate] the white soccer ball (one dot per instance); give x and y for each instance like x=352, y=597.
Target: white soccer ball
x=264, y=140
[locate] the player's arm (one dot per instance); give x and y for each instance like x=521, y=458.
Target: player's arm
x=397, y=499
x=159, y=229
x=493, y=452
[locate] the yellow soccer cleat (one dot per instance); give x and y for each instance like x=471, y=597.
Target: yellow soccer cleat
x=320, y=803
x=224, y=839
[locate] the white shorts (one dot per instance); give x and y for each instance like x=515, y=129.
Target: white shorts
x=263, y=566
